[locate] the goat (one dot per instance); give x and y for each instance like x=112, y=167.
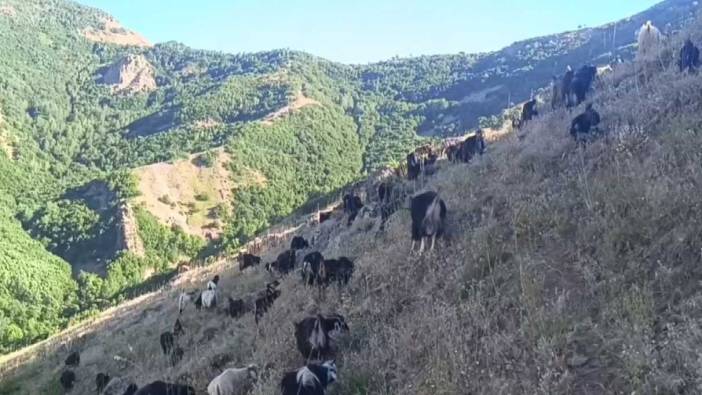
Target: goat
x=67, y=380
x=428, y=217
x=234, y=381
x=312, y=379
x=120, y=386
x=163, y=388
x=315, y=335
x=73, y=359
x=339, y=270
x=310, y=267
x=101, y=381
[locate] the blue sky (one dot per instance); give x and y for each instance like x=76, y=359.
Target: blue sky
x=360, y=31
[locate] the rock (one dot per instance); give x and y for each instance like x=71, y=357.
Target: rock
x=128, y=234
x=130, y=75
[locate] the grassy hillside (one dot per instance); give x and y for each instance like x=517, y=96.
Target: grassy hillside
x=63, y=130
x=567, y=269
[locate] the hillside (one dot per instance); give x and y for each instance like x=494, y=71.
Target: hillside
x=86, y=102
x=567, y=268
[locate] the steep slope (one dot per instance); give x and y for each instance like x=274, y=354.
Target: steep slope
x=567, y=268
x=452, y=92
x=68, y=131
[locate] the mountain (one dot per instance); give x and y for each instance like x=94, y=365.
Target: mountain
x=566, y=268
x=88, y=106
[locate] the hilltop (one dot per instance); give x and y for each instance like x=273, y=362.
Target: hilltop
x=88, y=107
x=568, y=268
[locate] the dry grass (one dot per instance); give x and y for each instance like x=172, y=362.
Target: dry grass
x=568, y=270
x=112, y=32
x=184, y=193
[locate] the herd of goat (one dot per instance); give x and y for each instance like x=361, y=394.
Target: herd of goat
x=317, y=336
x=571, y=89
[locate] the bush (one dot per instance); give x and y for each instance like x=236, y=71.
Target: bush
x=207, y=159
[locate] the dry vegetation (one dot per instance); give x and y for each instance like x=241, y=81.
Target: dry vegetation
x=111, y=32
x=567, y=270
x=185, y=192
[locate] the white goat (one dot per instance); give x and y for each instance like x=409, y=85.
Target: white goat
x=234, y=381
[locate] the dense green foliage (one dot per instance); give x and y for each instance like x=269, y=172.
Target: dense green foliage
x=162, y=246
x=36, y=290
x=64, y=227
x=306, y=155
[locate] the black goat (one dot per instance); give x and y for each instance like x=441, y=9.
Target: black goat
x=248, y=260
x=167, y=342
x=265, y=300
x=316, y=336
x=101, y=381
x=310, y=267
x=428, y=217
x=581, y=127
x=284, y=264
x=73, y=359
x=299, y=243
x=352, y=205
x=312, y=379
x=581, y=84
x=339, y=270
x=67, y=380
x=689, y=57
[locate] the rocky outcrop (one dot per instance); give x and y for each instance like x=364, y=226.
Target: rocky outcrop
x=128, y=238
x=130, y=75
x=111, y=32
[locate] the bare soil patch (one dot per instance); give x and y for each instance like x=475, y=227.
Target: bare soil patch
x=112, y=32
x=185, y=193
